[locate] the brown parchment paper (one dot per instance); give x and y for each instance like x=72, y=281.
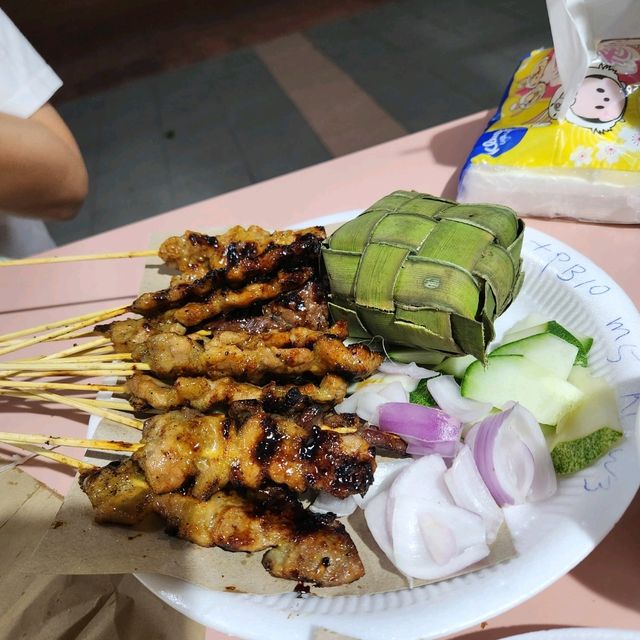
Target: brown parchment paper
x=47, y=607
x=80, y=546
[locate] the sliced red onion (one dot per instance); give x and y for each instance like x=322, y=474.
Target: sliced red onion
x=505, y=461
x=446, y=393
x=524, y=424
x=379, y=381
x=422, y=423
x=379, y=524
x=412, y=369
x=444, y=448
x=326, y=503
x=432, y=541
x=419, y=528
x=367, y=399
x=385, y=473
x=470, y=492
x=424, y=479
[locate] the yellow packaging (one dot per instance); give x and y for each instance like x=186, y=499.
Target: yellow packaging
x=587, y=165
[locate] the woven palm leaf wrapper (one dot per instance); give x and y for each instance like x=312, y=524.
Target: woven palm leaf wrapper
x=425, y=274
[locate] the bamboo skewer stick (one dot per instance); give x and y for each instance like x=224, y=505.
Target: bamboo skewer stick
x=58, y=457
x=57, y=441
x=64, y=330
x=98, y=411
x=59, y=354
x=64, y=337
x=88, y=373
x=51, y=325
x=114, y=405
x=94, y=346
x=62, y=386
x=77, y=367
x=80, y=258
x=100, y=357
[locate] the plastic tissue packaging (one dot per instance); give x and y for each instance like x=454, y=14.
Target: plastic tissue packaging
x=585, y=165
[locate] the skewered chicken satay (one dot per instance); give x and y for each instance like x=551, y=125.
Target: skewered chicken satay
x=304, y=251
x=127, y=334
x=306, y=307
x=255, y=358
x=119, y=492
x=247, y=448
x=194, y=254
x=302, y=546
x=225, y=300
x=203, y=394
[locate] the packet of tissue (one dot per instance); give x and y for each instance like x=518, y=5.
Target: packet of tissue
x=571, y=148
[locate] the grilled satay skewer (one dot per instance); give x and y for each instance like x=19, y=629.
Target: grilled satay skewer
x=241, y=271
x=301, y=545
x=248, y=447
x=250, y=358
x=238, y=251
x=203, y=394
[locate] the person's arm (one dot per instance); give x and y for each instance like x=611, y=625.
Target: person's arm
x=42, y=173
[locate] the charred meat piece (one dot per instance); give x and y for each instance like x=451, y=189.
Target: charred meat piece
x=303, y=251
x=128, y=334
x=223, y=300
x=247, y=448
x=306, y=307
x=303, y=546
x=235, y=251
x=203, y=394
x=351, y=423
x=119, y=492
x=256, y=358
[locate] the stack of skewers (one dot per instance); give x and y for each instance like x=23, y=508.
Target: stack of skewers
x=231, y=375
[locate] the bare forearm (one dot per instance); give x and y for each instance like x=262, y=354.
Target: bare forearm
x=41, y=170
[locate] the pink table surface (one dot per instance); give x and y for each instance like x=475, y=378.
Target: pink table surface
x=604, y=590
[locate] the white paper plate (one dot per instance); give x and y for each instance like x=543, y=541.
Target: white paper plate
x=579, y=634
x=551, y=537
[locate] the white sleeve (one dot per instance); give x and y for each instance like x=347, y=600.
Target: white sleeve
x=26, y=80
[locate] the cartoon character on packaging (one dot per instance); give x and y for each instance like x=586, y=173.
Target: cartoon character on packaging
x=539, y=84
x=600, y=102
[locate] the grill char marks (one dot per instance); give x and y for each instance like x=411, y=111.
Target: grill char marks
x=204, y=394
x=306, y=307
x=224, y=300
x=244, y=265
x=193, y=254
x=256, y=358
x=236, y=520
x=303, y=545
x=183, y=446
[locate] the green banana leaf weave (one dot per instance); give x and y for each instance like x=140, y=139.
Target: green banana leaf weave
x=425, y=273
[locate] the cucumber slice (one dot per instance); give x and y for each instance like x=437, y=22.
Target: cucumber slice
x=583, y=343
x=455, y=366
x=515, y=377
x=553, y=353
x=529, y=321
x=590, y=429
x=575, y=455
